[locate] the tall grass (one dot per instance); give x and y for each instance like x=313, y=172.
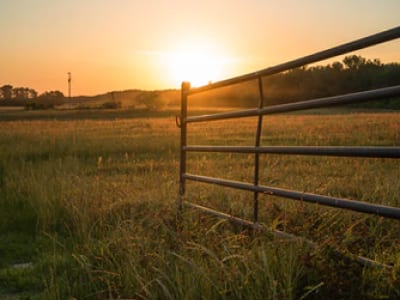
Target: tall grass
x=96, y=202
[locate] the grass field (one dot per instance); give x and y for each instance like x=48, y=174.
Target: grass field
x=88, y=209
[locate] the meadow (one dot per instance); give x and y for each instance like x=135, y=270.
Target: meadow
x=88, y=209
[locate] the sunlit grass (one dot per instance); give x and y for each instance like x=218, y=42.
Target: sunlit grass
x=95, y=202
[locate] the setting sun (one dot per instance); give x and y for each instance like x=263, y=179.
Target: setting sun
x=197, y=64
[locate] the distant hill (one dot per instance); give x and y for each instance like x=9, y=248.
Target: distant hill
x=129, y=99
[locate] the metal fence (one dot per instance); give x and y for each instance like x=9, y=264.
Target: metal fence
x=257, y=149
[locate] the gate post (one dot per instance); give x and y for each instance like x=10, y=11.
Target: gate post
x=183, y=125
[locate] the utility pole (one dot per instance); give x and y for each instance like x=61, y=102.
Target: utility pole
x=69, y=85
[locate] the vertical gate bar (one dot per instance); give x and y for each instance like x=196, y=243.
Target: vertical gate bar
x=257, y=144
x=182, y=170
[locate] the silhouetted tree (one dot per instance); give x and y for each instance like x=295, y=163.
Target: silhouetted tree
x=20, y=93
x=354, y=62
x=52, y=95
x=6, y=91
x=337, y=66
x=32, y=94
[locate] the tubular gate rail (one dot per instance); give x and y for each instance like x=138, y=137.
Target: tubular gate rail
x=261, y=110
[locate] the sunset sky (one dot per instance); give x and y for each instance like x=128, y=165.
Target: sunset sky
x=126, y=44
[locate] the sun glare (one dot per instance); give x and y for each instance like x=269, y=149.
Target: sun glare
x=197, y=64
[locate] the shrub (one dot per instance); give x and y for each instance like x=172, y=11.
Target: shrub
x=111, y=105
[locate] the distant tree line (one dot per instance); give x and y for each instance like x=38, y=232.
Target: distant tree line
x=8, y=92
x=28, y=97
x=354, y=73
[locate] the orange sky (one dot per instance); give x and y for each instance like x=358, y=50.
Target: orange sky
x=127, y=44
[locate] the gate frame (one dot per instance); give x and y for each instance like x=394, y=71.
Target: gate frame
x=261, y=110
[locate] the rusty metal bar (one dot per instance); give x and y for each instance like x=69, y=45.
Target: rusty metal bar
x=368, y=208
x=358, y=97
x=219, y=214
x=246, y=223
x=365, y=42
x=373, y=152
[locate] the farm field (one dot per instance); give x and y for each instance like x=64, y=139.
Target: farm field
x=88, y=209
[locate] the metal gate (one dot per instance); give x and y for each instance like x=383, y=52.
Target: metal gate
x=255, y=187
